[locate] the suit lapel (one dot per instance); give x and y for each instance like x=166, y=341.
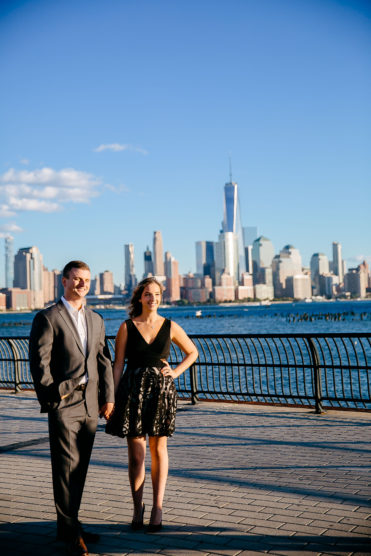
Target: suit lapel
x=68, y=320
x=89, y=325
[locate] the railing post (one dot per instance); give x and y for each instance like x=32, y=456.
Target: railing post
x=317, y=377
x=17, y=381
x=193, y=377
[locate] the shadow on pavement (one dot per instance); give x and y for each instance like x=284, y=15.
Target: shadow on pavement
x=38, y=539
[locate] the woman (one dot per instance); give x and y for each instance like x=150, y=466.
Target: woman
x=145, y=395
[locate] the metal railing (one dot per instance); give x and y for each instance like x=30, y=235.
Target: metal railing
x=313, y=370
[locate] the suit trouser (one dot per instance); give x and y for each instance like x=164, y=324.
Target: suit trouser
x=71, y=436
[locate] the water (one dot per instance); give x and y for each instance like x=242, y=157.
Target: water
x=336, y=316
x=289, y=382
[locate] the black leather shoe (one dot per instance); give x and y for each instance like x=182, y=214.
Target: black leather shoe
x=137, y=525
x=90, y=537
x=86, y=535
x=77, y=547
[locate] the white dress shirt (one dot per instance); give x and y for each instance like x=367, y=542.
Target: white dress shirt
x=79, y=319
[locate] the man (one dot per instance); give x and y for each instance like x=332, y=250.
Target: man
x=71, y=369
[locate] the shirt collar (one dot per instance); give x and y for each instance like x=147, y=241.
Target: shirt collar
x=71, y=309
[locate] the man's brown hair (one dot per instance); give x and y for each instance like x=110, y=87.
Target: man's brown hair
x=74, y=264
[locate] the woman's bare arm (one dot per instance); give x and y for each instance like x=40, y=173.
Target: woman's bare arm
x=120, y=348
x=180, y=338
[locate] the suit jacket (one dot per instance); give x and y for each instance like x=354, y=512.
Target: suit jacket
x=58, y=361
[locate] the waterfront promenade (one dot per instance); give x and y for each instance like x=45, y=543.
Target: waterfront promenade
x=244, y=480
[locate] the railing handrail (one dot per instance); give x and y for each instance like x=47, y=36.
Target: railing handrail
x=318, y=369
x=251, y=335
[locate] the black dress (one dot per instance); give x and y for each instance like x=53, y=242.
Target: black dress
x=145, y=399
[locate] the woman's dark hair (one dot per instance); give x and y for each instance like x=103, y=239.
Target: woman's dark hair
x=135, y=307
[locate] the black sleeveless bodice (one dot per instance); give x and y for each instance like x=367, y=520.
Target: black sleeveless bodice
x=141, y=354
x=146, y=398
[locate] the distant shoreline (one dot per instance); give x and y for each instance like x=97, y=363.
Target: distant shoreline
x=207, y=305
x=238, y=304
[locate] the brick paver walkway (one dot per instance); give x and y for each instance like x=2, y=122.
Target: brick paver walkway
x=244, y=480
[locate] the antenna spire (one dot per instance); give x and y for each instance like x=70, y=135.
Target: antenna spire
x=230, y=168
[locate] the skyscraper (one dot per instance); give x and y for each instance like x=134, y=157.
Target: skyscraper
x=262, y=255
x=250, y=233
x=158, y=254
x=226, y=256
x=9, y=261
x=205, y=260
x=248, y=259
x=48, y=286
x=337, y=261
x=356, y=280
x=172, y=291
x=319, y=266
x=200, y=256
x=52, y=285
x=232, y=223
x=148, y=262
x=106, y=282
x=28, y=274
x=130, y=278
x=287, y=264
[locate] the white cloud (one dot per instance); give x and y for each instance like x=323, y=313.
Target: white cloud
x=358, y=259
x=22, y=205
x=5, y=211
x=117, y=188
x=24, y=161
x=7, y=229
x=44, y=189
x=117, y=147
x=68, y=177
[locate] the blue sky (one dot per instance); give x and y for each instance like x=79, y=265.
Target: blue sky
x=118, y=118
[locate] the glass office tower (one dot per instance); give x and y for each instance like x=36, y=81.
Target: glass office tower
x=232, y=223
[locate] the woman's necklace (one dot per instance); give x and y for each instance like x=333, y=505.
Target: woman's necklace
x=148, y=323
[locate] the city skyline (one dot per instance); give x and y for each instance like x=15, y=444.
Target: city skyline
x=241, y=233
x=273, y=277
x=220, y=271
x=127, y=127
x=139, y=260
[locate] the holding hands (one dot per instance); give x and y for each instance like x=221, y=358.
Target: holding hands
x=106, y=410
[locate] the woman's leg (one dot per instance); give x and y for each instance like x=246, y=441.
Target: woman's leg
x=137, y=454
x=159, y=471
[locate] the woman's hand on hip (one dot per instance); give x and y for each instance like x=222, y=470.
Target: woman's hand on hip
x=168, y=371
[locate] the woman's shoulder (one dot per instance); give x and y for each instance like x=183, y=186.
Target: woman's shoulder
x=175, y=328
x=127, y=324
x=166, y=323
x=124, y=327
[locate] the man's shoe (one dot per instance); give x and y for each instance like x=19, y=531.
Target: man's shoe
x=77, y=547
x=90, y=537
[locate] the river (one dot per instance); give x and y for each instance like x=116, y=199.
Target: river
x=300, y=317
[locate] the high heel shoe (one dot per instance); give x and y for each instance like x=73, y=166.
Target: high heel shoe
x=154, y=527
x=137, y=525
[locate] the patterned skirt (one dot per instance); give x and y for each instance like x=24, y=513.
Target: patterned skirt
x=145, y=404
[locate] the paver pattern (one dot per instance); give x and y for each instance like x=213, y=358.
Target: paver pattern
x=244, y=480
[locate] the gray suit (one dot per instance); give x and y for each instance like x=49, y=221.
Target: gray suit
x=57, y=363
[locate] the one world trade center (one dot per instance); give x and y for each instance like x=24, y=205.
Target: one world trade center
x=232, y=223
